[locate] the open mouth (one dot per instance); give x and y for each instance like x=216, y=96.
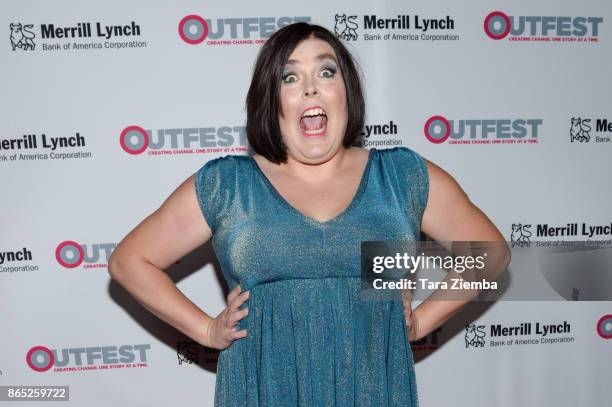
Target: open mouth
x=313, y=121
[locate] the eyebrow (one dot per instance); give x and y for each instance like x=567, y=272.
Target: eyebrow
x=319, y=57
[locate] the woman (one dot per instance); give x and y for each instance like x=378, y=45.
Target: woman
x=286, y=225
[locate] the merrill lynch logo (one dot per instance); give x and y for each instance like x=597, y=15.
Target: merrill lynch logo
x=579, y=131
x=474, y=336
x=520, y=235
x=345, y=27
x=21, y=37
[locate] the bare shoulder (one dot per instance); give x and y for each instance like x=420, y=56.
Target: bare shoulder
x=358, y=154
x=258, y=158
x=267, y=166
x=359, y=151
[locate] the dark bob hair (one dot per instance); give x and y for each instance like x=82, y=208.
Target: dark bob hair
x=263, y=99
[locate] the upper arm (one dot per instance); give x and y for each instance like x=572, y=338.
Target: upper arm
x=172, y=231
x=450, y=215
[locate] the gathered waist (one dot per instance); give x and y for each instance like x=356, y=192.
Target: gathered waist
x=299, y=282
x=328, y=288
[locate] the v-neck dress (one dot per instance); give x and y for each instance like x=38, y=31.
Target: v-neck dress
x=312, y=340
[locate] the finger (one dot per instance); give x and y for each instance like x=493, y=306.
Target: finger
x=414, y=327
x=238, y=301
x=409, y=321
x=233, y=294
x=406, y=299
x=238, y=334
x=237, y=316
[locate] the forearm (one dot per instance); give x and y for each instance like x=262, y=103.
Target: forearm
x=435, y=311
x=156, y=291
x=443, y=304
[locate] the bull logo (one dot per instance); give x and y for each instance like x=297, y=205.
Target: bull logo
x=579, y=131
x=474, y=336
x=187, y=352
x=345, y=27
x=21, y=37
x=520, y=235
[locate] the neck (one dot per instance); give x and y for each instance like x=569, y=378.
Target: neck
x=320, y=171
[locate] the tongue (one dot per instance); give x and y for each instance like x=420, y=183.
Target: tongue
x=313, y=122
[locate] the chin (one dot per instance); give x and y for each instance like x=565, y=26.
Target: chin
x=313, y=152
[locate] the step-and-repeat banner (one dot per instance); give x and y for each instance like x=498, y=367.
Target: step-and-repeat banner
x=106, y=108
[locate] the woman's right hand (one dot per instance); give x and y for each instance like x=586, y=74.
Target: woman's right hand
x=222, y=330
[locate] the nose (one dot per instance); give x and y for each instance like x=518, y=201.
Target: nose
x=310, y=89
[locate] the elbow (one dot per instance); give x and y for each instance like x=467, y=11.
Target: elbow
x=505, y=256
x=115, y=265
x=124, y=264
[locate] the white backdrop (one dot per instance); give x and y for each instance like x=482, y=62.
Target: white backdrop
x=520, y=158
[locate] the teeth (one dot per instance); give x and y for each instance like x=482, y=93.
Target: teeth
x=313, y=112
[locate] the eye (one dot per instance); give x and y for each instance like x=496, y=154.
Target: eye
x=289, y=77
x=328, y=72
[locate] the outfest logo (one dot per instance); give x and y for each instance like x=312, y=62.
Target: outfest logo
x=438, y=129
x=194, y=29
x=71, y=254
x=41, y=358
x=499, y=25
x=135, y=140
x=604, y=327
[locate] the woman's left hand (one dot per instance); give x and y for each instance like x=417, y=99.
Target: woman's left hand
x=411, y=323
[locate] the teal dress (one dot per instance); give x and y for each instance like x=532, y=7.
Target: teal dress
x=312, y=341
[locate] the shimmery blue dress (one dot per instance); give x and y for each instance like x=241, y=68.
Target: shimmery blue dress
x=312, y=341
